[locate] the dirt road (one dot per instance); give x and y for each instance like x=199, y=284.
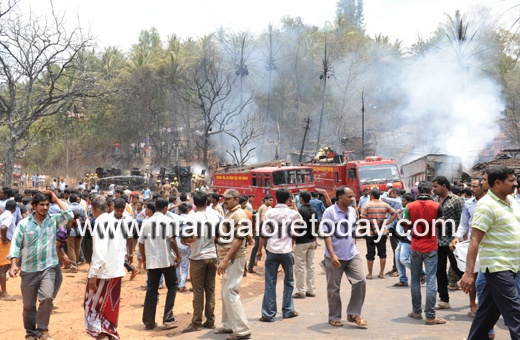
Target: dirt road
x=67, y=321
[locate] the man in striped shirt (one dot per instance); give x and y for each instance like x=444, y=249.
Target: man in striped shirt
x=496, y=238
x=35, y=242
x=374, y=214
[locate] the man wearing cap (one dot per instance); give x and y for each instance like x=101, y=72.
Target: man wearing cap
x=167, y=188
x=158, y=187
x=231, y=251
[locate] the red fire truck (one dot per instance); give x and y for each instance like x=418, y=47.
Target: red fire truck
x=369, y=173
x=262, y=180
x=17, y=173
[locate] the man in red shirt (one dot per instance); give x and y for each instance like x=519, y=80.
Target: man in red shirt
x=423, y=216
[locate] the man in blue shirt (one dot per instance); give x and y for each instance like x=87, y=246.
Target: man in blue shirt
x=146, y=193
x=342, y=257
x=317, y=204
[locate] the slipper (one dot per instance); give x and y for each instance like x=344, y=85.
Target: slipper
x=336, y=323
x=381, y=276
x=223, y=330
x=471, y=314
x=400, y=284
x=358, y=320
x=369, y=277
x=435, y=321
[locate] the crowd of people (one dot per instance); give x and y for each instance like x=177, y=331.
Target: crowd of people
x=41, y=236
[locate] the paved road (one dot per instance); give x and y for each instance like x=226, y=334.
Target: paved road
x=385, y=309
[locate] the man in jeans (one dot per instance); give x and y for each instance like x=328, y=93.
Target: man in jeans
x=342, y=258
x=305, y=244
x=278, y=222
x=422, y=215
x=402, y=252
x=452, y=206
x=203, y=261
x=34, y=242
x=495, y=238
x=156, y=245
x=184, y=250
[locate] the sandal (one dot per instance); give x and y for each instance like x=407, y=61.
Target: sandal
x=369, y=277
x=8, y=298
x=400, y=284
x=293, y=315
x=262, y=319
x=238, y=337
x=471, y=314
x=436, y=321
x=336, y=323
x=381, y=276
x=223, y=330
x=416, y=316
x=358, y=320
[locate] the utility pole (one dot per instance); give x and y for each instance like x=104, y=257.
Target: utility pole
x=307, y=122
x=363, y=124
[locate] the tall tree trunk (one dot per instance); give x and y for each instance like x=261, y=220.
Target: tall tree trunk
x=9, y=162
x=322, y=111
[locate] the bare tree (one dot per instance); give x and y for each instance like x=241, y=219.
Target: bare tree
x=41, y=74
x=244, y=135
x=210, y=90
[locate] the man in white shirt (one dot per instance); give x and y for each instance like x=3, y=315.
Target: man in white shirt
x=102, y=296
x=6, y=233
x=159, y=253
x=277, y=225
x=184, y=249
x=201, y=227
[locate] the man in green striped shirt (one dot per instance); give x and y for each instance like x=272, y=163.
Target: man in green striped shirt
x=34, y=242
x=496, y=237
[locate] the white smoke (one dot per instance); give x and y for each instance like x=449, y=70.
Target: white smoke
x=453, y=104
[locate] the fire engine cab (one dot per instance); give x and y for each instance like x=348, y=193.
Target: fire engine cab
x=371, y=172
x=261, y=180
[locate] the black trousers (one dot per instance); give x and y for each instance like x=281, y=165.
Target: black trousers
x=394, y=241
x=500, y=296
x=252, y=259
x=152, y=295
x=444, y=254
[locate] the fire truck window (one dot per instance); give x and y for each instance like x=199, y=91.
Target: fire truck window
x=254, y=183
x=336, y=177
x=351, y=173
x=280, y=177
x=267, y=181
x=304, y=176
x=378, y=173
x=259, y=180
